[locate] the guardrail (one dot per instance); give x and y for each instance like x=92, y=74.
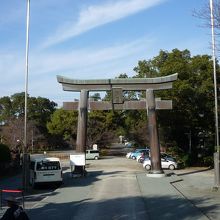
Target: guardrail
x=14, y=191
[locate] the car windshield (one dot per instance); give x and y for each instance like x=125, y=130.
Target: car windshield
x=170, y=159
x=48, y=165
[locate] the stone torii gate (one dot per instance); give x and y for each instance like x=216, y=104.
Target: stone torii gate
x=117, y=86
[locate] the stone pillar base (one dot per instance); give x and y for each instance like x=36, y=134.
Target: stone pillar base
x=156, y=175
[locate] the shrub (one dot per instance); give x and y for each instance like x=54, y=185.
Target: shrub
x=104, y=152
x=183, y=159
x=5, y=155
x=208, y=161
x=187, y=160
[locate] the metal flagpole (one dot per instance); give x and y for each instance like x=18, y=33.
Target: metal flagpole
x=25, y=155
x=217, y=179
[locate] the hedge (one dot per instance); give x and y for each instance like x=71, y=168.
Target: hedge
x=5, y=155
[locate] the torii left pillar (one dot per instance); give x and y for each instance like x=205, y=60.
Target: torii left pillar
x=82, y=122
x=82, y=129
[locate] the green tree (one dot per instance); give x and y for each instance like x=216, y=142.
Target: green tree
x=96, y=127
x=145, y=69
x=5, y=109
x=40, y=110
x=136, y=126
x=12, y=118
x=63, y=123
x=192, y=96
x=96, y=97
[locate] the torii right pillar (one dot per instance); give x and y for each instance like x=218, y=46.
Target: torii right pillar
x=156, y=169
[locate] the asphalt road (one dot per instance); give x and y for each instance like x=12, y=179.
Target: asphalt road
x=117, y=188
x=110, y=191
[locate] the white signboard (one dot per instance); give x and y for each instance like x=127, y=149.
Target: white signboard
x=77, y=160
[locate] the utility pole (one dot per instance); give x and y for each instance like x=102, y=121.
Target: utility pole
x=25, y=167
x=216, y=155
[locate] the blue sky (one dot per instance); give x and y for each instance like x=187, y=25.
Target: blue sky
x=91, y=39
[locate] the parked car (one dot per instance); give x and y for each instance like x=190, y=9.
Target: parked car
x=45, y=170
x=165, y=164
x=92, y=154
x=128, y=144
x=138, y=152
x=128, y=155
x=167, y=157
x=140, y=158
x=143, y=158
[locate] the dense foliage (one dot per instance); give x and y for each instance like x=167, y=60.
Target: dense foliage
x=12, y=110
x=63, y=123
x=187, y=130
x=190, y=125
x=5, y=155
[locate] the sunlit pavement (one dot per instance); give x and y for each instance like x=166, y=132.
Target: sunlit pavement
x=117, y=188
x=197, y=186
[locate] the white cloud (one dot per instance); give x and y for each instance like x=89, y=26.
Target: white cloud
x=97, y=15
x=86, y=59
x=12, y=63
x=91, y=62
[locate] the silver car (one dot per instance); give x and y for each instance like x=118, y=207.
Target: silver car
x=165, y=164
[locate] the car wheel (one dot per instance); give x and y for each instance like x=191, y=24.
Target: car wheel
x=172, y=167
x=133, y=157
x=147, y=167
x=96, y=158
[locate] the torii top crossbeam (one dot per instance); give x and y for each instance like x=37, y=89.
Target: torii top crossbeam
x=126, y=84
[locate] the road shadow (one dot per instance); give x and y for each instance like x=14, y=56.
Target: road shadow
x=153, y=208
x=90, y=178
x=83, y=207
x=195, y=171
x=42, y=191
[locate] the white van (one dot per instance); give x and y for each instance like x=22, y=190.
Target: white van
x=45, y=170
x=92, y=154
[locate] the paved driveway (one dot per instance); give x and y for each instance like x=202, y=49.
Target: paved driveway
x=117, y=188
x=110, y=191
